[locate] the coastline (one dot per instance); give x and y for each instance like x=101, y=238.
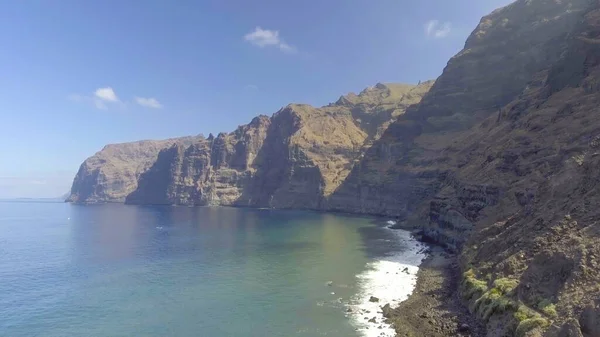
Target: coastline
x=434, y=307
x=386, y=282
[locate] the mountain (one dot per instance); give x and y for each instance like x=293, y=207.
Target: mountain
x=294, y=159
x=497, y=161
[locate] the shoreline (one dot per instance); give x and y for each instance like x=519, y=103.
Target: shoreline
x=386, y=282
x=434, y=307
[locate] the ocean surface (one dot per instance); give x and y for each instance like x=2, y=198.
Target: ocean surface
x=117, y=270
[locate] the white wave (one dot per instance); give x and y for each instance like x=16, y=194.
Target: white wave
x=391, y=279
x=391, y=222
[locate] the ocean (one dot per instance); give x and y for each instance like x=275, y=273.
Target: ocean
x=120, y=270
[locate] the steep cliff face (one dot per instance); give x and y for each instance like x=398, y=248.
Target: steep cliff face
x=498, y=161
x=211, y=171
x=291, y=160
x=412, y=160
x=112, y=173
x=540, y=152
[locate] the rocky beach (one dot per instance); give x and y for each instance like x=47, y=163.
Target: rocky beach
x=386, y=283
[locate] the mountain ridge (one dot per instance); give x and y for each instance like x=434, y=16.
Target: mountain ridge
x=341, y=130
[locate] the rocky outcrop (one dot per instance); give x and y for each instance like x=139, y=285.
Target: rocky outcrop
x=294, y=159
x=112, y=174
x=212, y=171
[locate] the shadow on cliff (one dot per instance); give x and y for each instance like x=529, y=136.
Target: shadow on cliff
x=284, y=177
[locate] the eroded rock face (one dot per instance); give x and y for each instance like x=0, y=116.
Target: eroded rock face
x=418, y=155
x=211, y=171
x=294, y=159
x=539, y=152
x=112, y=173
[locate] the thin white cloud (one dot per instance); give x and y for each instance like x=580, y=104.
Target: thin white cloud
x=268, y=38
x=103, y=98
x=98, y=99
x=106, y=94
x=438, y=30
x=150, y=102
x=251, y=87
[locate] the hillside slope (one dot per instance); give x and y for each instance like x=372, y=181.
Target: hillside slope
x=538, y=157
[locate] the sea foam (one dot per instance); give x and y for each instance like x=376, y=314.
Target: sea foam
x=391, y=279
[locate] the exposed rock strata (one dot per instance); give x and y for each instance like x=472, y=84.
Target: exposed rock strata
x=112, y=174
x=294, y=159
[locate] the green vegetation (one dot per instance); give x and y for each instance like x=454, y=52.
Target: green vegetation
x=530, y=324
x=496, y=300
x=528, y=320
x=548, y=308
x=472, y=287
x=486, y=301
x=524, y=313
x=506, y=285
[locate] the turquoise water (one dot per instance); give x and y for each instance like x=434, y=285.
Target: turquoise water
x=116, y=270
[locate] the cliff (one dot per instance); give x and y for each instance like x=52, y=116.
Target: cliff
x=112, y=173
x=293, y=159
x=501, y=58
x=210, y=171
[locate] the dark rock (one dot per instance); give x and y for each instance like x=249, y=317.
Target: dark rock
x=373, y=299
x=590, y=319
x=570, y=328
x=387, y=311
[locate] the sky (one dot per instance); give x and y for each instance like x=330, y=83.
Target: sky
x=76, y=75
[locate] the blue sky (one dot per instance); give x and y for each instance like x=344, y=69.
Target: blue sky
x=76, y=75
